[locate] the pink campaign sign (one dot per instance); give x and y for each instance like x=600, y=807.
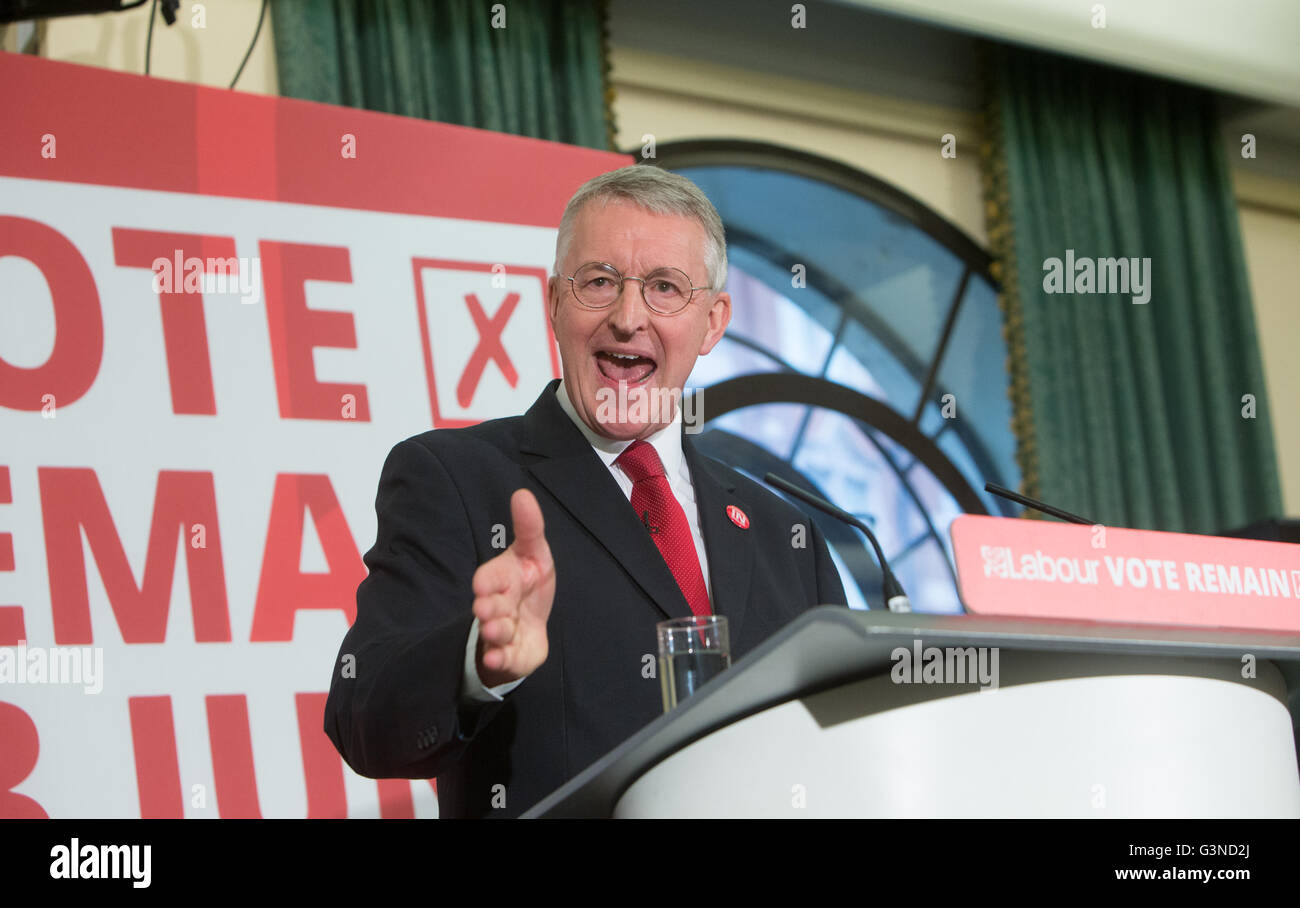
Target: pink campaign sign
x=1031, y=568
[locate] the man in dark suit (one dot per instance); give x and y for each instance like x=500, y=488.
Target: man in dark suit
x=504, y=670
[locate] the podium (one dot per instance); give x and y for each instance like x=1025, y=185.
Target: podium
x=832, y=718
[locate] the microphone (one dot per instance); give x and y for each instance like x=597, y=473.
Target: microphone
x=1037, y=505
x=895, y=598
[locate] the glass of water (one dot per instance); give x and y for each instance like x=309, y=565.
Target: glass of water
x=691, y=651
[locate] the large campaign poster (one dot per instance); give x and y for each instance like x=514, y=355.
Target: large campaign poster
x=218, y=312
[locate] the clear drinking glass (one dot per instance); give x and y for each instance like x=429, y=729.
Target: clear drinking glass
x=691, y=651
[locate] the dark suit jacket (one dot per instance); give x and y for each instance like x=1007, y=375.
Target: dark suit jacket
x=441, y=496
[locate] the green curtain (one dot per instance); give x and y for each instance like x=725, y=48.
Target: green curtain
x=1131, y=415
x=542, y=75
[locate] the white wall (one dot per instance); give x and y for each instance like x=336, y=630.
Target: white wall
x=205, y=45
x=1271, y=237
x=674, y=99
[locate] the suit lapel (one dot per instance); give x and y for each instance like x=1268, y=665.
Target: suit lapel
x=571, y=471
x=729, y=547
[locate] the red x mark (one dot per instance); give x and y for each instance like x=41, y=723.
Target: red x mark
x=489, y=346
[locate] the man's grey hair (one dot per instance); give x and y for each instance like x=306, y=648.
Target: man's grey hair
x=661, y=192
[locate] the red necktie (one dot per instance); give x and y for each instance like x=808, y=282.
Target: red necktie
x=659, y=510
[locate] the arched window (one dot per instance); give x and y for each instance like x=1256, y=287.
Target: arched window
x=864, y=360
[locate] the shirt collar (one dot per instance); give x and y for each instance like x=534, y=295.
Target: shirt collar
x=667, y=441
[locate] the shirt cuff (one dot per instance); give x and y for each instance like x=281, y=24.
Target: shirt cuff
x=472, y=688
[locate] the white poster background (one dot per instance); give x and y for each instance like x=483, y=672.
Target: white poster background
x=124, y=429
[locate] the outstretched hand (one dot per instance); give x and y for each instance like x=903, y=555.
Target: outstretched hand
x=512, y=598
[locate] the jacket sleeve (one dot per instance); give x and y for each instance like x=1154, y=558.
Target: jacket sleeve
x=394, y=707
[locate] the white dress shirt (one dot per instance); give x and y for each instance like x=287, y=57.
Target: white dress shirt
x=668, y=445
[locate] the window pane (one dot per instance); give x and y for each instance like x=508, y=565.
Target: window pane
x=937, y=501
x=775, y=323
x=903, y=277
x=727, y=360
x=902, y=457
x=951, y=444
x=925, y=577
x=974, y=370
x=778, y=276
x=842, y=461
x=863, y=363
x=774, y=426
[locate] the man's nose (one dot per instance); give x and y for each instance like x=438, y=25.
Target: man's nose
x=629, y=312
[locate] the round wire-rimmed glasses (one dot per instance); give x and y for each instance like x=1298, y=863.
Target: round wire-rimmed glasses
x=596, y=285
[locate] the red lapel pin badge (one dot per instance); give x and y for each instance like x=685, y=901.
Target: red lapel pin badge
x=738, y=516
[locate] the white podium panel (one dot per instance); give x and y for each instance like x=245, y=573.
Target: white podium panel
x=1064, y=735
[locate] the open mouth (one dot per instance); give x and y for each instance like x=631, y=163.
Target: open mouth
x=624, y=367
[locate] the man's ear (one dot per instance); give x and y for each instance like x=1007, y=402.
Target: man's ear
x=719, y=318
x=552, y=298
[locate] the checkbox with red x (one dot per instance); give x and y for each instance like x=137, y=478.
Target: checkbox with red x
x=488, y=346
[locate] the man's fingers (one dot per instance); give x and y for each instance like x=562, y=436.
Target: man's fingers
x=497, y=605
x=494, y=576
x=500, y=656
x=494, y=659
x=499, y=631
